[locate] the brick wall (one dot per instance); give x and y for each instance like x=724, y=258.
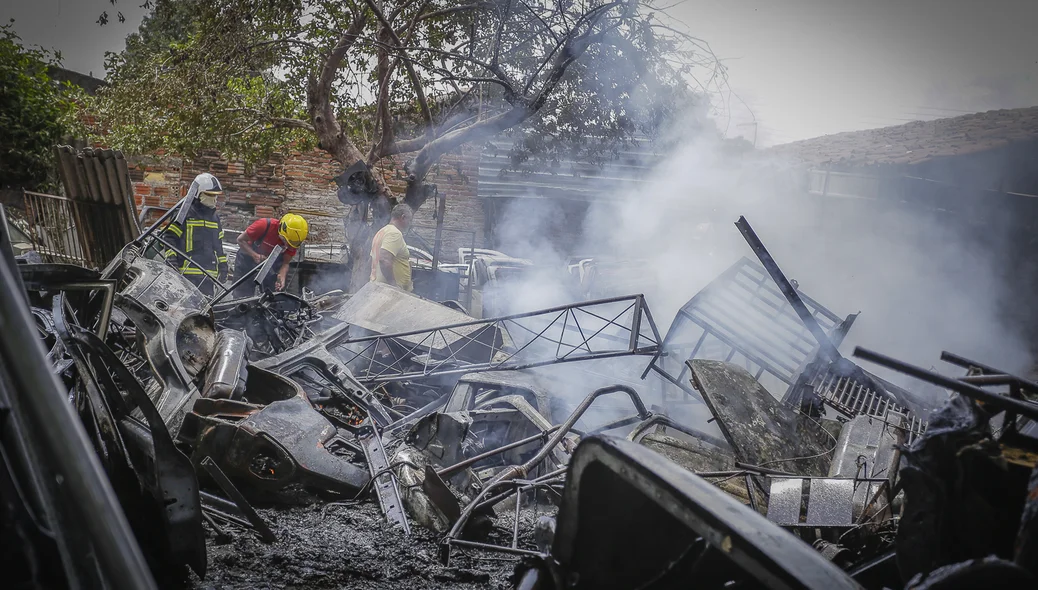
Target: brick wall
x=301, y=182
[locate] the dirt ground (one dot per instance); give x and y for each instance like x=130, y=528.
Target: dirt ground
x=323, y=545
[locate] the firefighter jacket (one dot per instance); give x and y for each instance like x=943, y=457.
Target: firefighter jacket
x=201, y=238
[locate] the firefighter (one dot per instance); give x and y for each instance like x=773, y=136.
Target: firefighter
x=197, y=232
x=257, y=242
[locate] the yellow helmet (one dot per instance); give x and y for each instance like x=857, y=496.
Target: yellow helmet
x=294, y=229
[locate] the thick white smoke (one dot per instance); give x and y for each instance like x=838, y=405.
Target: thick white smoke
x=921, y=287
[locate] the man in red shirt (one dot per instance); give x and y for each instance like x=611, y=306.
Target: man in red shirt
x=256, y=243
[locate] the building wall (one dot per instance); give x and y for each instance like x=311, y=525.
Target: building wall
x=302, y=182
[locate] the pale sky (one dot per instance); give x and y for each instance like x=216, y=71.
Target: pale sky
x=804, y=67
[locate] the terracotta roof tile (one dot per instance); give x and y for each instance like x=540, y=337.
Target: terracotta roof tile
x=915, y=142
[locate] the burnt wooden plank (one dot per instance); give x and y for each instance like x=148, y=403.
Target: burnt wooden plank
x=760, y=429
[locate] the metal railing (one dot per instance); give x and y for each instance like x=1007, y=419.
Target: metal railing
x=607, y=328
x=71, y=231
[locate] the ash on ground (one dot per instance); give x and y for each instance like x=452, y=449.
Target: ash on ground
x=350, y=545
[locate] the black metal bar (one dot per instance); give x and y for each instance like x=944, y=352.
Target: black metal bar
x=515, y=525
x=214, y=471
x=181, y=253
x=449, y=471
x=999, y=402
x=40, y=403
x=966, y=363
x=497, y=319
x=493, y=500
x=487, y=547
x=382, y=477
x=235, y=285
x=619, y=423
x=749, y=492
x=517, y=471
x=764, y=470
x=165, y=216
x=989, y=379
x=787, y=289
x=500, y=367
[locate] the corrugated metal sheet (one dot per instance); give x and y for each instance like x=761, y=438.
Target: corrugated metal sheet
x=568, y=179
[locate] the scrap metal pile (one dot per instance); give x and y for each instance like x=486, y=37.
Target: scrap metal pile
x=141, y=419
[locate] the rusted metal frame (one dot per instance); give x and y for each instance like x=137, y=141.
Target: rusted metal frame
x=638, y=305
x=825, y=345
x=519, y=471
x=410, y=351
x=576, y=323
x=635, y=328
x=83, y=232
x=783, y=317
x=538, y=335
x=541, y=333
x=221, y=479
x=998, y=402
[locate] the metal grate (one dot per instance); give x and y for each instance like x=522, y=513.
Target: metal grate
x=65, y=230
x=851, y=398
x=743, y=318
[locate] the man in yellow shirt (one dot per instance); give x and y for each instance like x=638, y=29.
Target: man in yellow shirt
x=390, y=260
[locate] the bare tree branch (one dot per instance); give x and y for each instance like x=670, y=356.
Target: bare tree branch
x=416, y=82
x=452, y=10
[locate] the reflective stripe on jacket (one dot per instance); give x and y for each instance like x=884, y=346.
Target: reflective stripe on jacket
x=201, y=238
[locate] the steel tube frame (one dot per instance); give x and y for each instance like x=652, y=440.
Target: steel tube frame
x=449, y=471
x=966, y=363
x=518, y=471
x=640, y=314
x=824, y=344
x=1027, y=409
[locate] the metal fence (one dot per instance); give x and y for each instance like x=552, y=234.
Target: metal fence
x=70, y=231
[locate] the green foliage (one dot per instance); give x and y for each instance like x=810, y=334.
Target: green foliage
x=165, y=93
x=35, y=113
x=238, y=75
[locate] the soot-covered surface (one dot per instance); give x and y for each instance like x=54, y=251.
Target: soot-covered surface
x=349, y=546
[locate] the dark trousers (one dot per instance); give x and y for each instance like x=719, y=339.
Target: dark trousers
x=243, y=263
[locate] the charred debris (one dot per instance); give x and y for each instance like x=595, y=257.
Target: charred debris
x=141, y=420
